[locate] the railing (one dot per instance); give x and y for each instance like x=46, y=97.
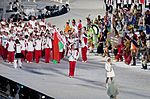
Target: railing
x=13, y=90
x=3, y=95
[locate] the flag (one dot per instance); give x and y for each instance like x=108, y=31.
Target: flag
x=61, y=41
x=55, y=48
x=60, y=38
x=61, y=46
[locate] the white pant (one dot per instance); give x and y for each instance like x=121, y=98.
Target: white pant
x=17, y=62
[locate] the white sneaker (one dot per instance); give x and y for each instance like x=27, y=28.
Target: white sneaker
x=15, y=64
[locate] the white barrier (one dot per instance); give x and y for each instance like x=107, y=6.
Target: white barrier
x=61, y=1
x=32, y=0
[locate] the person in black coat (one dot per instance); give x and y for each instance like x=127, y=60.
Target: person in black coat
x=134, y=50
x=105, y=33
x=100, y=44
x=147, y=21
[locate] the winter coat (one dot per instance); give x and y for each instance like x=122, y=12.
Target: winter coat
x=109, y=70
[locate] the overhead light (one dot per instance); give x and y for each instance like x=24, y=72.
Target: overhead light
x=43, y=97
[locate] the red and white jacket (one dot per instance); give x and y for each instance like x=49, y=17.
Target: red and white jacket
x=84, y=40
x=23, y=45
x=10, y=46
x=29, y=46
x=48, y=43
x=38, y=44
x=41, y=23
x=4, y=40
x=32, y=23
x=73, y=55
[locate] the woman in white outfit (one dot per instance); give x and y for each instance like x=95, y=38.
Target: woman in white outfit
x=109, y=70
x=18, y=55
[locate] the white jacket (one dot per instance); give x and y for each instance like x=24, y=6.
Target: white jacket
x=48, y=43
x=22, y=42
x=4, y=41
x=11, y=46
x=109, y=70
x=32, y=23
x=83, y=39
x=73, y=55
x=41, y=23
x=18, y=48
x=29, y=46
x=38, y=44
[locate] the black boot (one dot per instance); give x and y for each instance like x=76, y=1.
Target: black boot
x=144, y=66
x=134, y=62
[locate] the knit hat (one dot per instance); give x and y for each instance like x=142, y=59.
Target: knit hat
x=107, y=58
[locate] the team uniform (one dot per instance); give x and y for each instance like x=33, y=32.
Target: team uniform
x=48, y=49
x=38, y=43
x=73, y=57
x=23, y=48
x=30, y=49
x=4, y=49
x=11, y=49
x=43, y=45
x=32, y=23
x=18, y=55
x=84, y=47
